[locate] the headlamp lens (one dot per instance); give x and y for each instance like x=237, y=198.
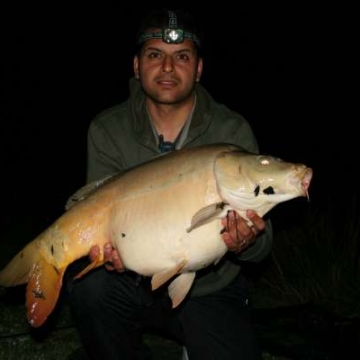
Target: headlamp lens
x=173, y=36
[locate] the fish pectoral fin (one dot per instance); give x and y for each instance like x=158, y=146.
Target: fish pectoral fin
x=94, y=264
x=179, y=288
x=42, y=291
x=206, y=215
x=164, y=276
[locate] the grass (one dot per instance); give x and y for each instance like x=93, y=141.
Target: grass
x=317, y=263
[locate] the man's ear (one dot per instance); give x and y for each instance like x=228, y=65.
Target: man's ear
x=136, y=67
x=199, y=70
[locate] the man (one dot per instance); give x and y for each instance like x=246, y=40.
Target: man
x=167, y=110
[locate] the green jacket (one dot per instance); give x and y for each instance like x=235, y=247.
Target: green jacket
x=121, y=137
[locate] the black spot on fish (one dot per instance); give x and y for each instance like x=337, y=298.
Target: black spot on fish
x=220, y=205
x=257, y=190
x=123, y=235
x=21, y=255
x=269, y=191
x=52, y=249
x=39, y=294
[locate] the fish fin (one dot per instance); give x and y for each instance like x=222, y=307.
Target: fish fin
x=17, y=271
x=179, y=287
x=164, y=276
x=42, y=291
x=206, y=215
x=94, y=264
x=85, y=191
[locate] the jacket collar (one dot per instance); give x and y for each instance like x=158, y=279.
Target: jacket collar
x=139, y=117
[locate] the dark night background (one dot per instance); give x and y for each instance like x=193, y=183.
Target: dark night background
x=287, y=68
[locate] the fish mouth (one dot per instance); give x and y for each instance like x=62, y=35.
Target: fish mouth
x=305, y=181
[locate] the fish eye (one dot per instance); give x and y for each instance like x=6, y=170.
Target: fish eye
x=265, y=160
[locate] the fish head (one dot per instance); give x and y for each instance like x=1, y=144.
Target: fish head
x=249, y=181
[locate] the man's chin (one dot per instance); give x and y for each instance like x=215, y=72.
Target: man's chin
x=170, y=99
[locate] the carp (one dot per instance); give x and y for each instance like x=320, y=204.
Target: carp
x=162, y=216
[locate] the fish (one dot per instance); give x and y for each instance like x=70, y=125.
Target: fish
x=162, y=216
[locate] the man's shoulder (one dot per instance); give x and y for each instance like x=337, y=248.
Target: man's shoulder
x=222, y=115
x=218, y=110
x=226, y=112
x=110, y=118
x=114, y=112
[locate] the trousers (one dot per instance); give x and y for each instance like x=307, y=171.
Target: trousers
x=113, y=311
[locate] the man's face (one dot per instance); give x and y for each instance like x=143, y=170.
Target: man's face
x=168, y=72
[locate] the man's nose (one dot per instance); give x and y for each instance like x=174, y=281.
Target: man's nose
x=168, y=64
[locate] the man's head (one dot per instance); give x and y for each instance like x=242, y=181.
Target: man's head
x=167, y=62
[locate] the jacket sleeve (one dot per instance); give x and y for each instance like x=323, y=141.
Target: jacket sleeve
x=261, y=248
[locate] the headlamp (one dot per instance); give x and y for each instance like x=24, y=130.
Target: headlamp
x=171, y=35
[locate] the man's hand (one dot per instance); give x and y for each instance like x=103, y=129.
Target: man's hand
x=111, y=257
x=237, y=234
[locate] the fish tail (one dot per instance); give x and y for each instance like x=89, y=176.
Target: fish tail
x=42, y=291
x=43, y=280
x=17, y=271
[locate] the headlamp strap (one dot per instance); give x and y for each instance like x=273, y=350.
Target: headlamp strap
x=172, y=20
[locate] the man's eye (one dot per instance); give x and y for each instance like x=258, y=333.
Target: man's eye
x=154, y=55
x=183, y=57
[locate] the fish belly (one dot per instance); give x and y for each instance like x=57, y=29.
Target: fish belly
x=153, y=250
x=150, y=228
